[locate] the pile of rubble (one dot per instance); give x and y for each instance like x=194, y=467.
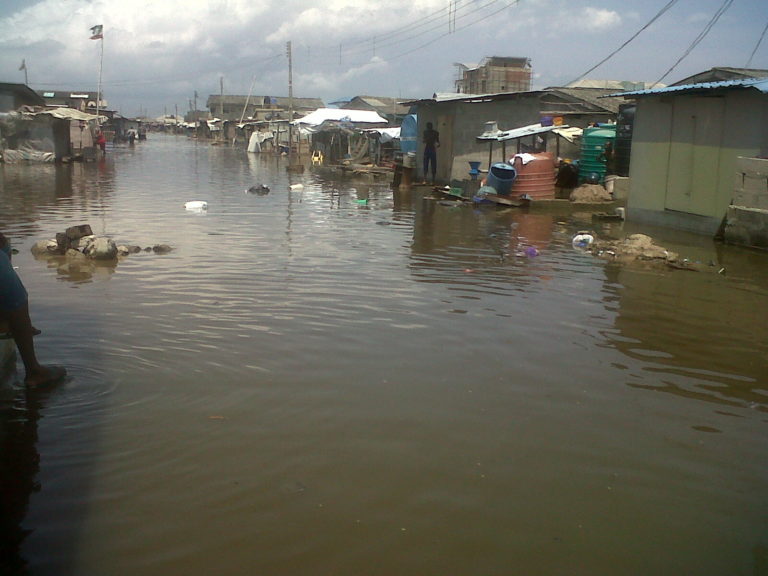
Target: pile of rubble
x=78, y=242
x=631, y=248
x=636, y=248
x=590, y=194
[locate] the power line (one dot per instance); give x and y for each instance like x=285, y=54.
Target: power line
x=720, y=11
x=429, y=23
x=477, y=21
x=419, y=28
x=466, y=10
x=756, y=46
x=635, y=35
x=362, y=44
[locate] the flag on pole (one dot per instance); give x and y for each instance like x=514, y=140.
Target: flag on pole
x=96, y=32
x=23, y=64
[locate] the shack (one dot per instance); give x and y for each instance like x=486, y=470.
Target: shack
x=48, y=135
x=460, y=117
x=13, y=96
x=685, y=144
x=338, y=134
x=389, y=108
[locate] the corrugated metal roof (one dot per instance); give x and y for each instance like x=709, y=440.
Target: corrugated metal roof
x=760, y=84
x=579, y=100
x=68, y=114
x=523, y=131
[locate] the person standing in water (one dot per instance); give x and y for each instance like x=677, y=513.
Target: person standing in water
x=431, y=144
x=14, y=312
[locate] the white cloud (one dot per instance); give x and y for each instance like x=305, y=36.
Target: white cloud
x=592, y=19
x=158, y=52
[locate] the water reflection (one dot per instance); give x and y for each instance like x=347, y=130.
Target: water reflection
x=462, y=241
x=703, y=337
x=344, y=363
x=20, y=412
x=29, y=193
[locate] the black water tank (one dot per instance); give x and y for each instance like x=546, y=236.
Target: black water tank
x=623, y=144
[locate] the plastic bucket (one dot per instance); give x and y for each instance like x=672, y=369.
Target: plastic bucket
x=500, y=177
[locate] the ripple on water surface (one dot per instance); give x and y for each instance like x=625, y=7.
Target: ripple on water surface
x=317, y=377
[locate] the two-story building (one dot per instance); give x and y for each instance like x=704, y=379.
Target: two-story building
x=495, y=74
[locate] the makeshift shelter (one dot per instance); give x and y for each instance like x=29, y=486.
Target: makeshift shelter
x=529, y=138
x=46, y=136
x=386, y=142
x=338, y=134
x=14, y=96
x=459, y=117
x=386, y=107
x=685, y=144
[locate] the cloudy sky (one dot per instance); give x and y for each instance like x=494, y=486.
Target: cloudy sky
x=158, y=53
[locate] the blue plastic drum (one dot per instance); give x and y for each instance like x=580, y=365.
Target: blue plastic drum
x=500, y=177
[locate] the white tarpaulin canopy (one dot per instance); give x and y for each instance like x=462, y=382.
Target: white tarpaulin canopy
x=70, y=114
x=340, y=115
x=385, y=134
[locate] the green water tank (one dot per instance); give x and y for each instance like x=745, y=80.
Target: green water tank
x=593, y=147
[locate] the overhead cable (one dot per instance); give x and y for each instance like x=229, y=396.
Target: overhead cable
x=431, y=23
x=620, y=48
x=749, y=62
x=720, y=11
x=477, y=21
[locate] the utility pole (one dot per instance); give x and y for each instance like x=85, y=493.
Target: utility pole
x=221, y=88
x=221, y=102
x=292, y=167
x=290, y=81
x=297, y=167
x=101, y=65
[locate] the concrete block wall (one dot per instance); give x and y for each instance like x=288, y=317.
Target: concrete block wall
x=751, y=185
x=746, y=222
x=747, y=227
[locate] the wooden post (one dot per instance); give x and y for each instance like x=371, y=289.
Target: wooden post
x=490, y=156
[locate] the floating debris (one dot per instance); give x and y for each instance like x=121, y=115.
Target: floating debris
x=259, y=189
x=582, y=240
x=618, y=215
x=196, y=205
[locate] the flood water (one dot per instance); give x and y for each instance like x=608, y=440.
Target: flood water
x=347, y=380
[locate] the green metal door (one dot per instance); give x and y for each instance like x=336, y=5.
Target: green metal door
x=694, y=156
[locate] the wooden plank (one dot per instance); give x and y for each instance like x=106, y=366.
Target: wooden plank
x=506, y=200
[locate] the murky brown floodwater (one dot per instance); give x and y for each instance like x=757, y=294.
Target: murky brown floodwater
x=345, y=380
